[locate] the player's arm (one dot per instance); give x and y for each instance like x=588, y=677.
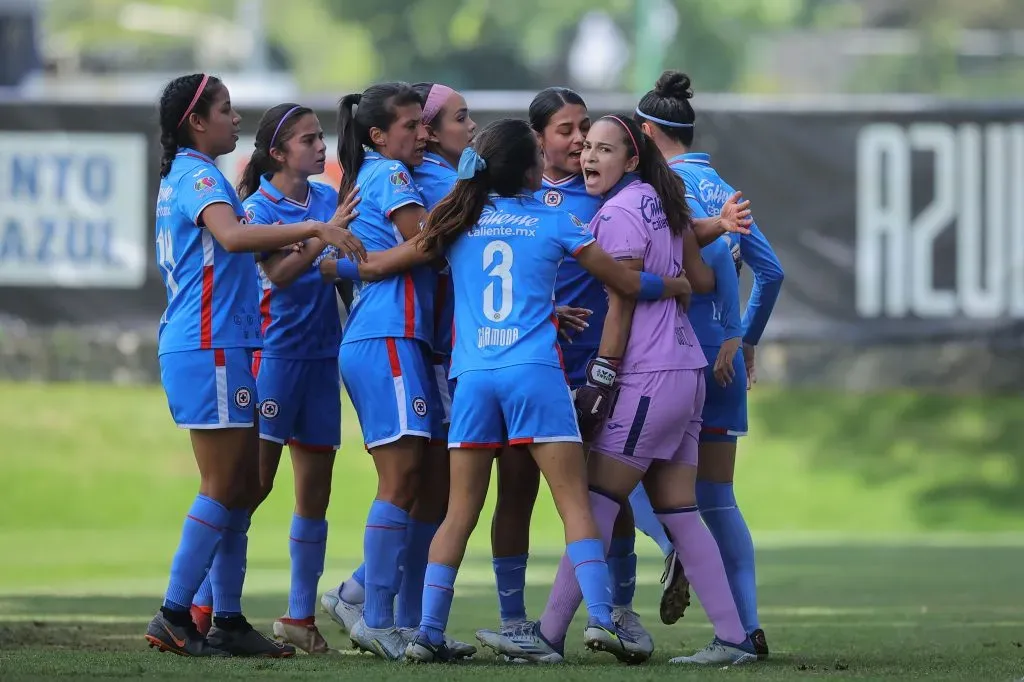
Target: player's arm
x=734, y=217
x=236, y=237
x=768, y=275
x=727, y=300
x=284, y=266
x=701, y=277
x=641, y=286
x=379, y=264
x=618, y=322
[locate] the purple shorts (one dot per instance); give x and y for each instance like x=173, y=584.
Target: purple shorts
x=655, y=417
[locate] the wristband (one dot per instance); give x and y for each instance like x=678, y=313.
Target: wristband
x=651, y=287
x=602, y=372
x=346, y=269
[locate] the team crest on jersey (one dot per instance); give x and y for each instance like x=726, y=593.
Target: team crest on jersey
x=243, y=397
x=205, y=183
x=269, y=408
x=400, y=178
x=419, y=406
x=250, y=214
x=553, y=198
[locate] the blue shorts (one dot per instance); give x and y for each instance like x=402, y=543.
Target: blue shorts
x=393, y=388
x=725, y=409
x=524, y=404
x=300, y=402
x=575, y=359
x=210, y=389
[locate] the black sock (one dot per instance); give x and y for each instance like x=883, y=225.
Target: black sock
x=176, y=616
x=230, y=622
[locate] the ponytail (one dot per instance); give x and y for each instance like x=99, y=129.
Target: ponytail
x=350, y=143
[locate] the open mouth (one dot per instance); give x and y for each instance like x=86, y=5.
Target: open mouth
x=575, y=156
x=590, y=174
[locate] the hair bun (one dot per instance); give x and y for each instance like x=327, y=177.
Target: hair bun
x=673, y=85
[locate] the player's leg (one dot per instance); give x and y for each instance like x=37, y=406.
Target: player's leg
x=315, y=439
x=518, y=485
x=476, y=431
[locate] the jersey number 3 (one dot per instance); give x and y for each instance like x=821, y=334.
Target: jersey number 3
x=498, y=264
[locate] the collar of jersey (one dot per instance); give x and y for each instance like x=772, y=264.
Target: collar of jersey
x=437, y=159
x=555, y=184
x=188, y=151
x=624, y=182
x=274, y=194
x=691, y=157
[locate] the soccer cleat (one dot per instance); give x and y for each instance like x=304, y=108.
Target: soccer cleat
x=241, y=639
x=301, y=633
x=628, y=620
x=719, y=653
x=614, y=641
x=386, y=643
x=675, y=595
x=420, y=650
x=458, y=649
x=183, y=640
x=202, y=616
x=521, y=643
x=341, y=612
x=760, y=644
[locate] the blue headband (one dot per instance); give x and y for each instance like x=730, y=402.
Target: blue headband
x=470, y=163
x=661, y=121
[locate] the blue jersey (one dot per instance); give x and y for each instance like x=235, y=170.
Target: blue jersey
x=212, y=296
x=299, y=321
x=434, y=179
x=575, y=286
x=504, y=270
x=712, y=192
x=716, y=316
x=400, y=306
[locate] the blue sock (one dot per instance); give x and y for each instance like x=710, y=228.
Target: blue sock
x=384, y=555
x=204, y=526
x=204, y=597
x=510, y=576
x=438, y=590
x=228, y=571
x=410, y=595
x=718, y=508
x=622, y=564
x=645, y=519
x=307, y=544
x=587, y=557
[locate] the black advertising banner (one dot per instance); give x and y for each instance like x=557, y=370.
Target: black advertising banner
x=892, y=224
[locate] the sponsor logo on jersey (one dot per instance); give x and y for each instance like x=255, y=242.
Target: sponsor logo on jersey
x=205, y=183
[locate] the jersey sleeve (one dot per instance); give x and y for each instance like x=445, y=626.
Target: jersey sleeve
x=696, y=209
x=259, y=213
x=573, y=234
x=620, y=233
x=718, y=256
x=393, y=189
x=203, y=188
x=759, y=255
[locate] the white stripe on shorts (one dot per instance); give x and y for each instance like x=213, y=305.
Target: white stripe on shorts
x=222, y=392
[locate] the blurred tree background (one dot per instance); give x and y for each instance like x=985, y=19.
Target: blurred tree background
x=949, y=47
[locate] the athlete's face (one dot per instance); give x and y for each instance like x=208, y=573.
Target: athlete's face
x=453, y=130
x=405, y=139
x=607, y=156
x=304, y=151
x=562, y=140
x=217, y=133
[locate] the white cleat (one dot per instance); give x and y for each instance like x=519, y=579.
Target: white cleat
x=458, y=650
x=628, y=621
x=386, y=643
x=344, y=613
x=718, y=653
x=520, y=643
x=300, y=634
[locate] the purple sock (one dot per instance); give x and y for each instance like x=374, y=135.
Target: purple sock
x=566, y=596
x=702, y=565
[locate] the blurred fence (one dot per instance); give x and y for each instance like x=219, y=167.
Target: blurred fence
x=900, y=227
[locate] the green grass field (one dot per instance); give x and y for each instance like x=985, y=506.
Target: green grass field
x=888, y=529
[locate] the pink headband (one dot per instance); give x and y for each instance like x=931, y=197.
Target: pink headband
x=195, y=98
x=632, y=139
x=436, y=98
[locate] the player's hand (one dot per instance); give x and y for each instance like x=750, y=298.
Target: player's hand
x=571, y=318
x=748, y=360
x=348, y=244
x=594, y=399
x=723, y=370
x=735, y=215
x=679, y=288
x=328, y=269
x=346, y=211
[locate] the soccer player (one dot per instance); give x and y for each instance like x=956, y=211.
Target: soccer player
x=649, y=369
x=385, y=351
x=450, y=130
x=207, y=335
x=667, y=117
x=296, y=372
